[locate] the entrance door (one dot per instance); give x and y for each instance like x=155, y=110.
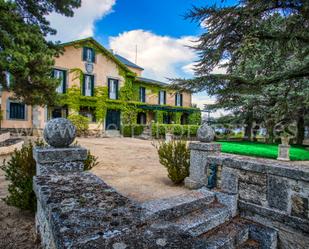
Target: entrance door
x=112, y=120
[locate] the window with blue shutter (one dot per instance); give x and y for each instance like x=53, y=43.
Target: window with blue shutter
x=162, y=97
x=17, y=111
x=113, y=88
x=88, y=54
x=62, y=76
x=142, y=94
x=88, y=85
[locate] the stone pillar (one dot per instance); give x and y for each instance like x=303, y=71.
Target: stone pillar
x=283, y=152
x=199, y=152
x=52, y=161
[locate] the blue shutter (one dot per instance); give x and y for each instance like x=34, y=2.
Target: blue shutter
x=84, y=85
x=176, y=96
x=92, y=85
x=181, y=99
x=109, y=88
x=93, y=55
x=116, y=86
x=159, y=98
x=64, y=81
x=164, y=101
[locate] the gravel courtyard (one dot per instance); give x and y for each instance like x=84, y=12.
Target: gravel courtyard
x=132, y=167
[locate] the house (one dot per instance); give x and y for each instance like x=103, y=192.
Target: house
x=108, y=89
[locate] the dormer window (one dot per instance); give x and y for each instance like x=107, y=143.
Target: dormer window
x=178, y=99
x=88, y=54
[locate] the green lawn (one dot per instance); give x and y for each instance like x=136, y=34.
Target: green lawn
x=297, y=153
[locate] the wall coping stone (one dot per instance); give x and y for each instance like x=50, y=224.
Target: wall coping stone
x=268, y=166
x=44, y=155
x=211, y=147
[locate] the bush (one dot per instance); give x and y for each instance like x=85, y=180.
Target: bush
x=177, y=129
x=137, y=130
x=19, y=171
x=175, y=157
x=81, y=123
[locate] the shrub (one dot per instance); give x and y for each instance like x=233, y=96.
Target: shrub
x=81, y=123
x=19, y=171
x=90, y=162
x=137, y=130
x=175, y=157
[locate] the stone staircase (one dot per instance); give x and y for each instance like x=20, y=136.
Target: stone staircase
x=211, y=218
x=112, y=133
x=146, y=135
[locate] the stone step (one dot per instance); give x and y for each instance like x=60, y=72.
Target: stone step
x=240, y=233
x=250, y=244
x=112, y=133
x=177, y=206
x=229, y=235
x=203, y=220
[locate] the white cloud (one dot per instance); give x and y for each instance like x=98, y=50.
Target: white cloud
x=82, y=24
x=161, y=56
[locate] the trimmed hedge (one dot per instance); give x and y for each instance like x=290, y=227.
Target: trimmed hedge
x=176, y=129
x=137, y=130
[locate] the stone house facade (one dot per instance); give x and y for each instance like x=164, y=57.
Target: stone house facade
x=85, y=64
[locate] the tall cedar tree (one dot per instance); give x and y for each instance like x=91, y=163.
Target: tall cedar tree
x=25, y=53
x=264, y=45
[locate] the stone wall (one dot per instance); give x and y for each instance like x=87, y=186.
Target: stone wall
x=270, y=192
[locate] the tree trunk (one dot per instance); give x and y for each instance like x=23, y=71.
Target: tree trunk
x=248, y=128
x=300, y=130
x=270, y=132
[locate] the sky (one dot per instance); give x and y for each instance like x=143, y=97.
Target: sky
x=157, y=30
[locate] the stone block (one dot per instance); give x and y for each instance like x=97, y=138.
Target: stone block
x=278, y=193
x=193, y=184
x=252, y=193
x=300, y=206
x=207, y=147
x=229, y=180
x=252, y=178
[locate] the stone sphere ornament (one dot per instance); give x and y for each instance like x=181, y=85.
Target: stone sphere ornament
x=205, y=133
x=59, y=133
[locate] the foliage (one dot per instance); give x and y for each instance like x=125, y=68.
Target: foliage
x=25, y=53
x=177, y=117
x=81, y=123
x=175, y=157
x=101, y=94
x=176, y=129
x=262, y=150
x=90, y=162
x=19, y=171
x=195, y=118
x=73, y=98
x=130, y=130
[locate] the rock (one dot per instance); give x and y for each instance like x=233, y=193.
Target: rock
x=59, y=133
x=205, y=133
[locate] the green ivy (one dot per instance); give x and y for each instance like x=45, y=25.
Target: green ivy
x=101, y=94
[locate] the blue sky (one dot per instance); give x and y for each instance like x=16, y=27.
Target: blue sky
x=156, y=28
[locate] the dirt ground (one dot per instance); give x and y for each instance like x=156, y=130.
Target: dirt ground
x=132, y=167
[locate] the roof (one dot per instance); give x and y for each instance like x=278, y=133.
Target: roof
x=127, y=62
x=102, y=48
x=151, y=81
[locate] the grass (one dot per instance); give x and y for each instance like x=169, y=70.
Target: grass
x=256, y=149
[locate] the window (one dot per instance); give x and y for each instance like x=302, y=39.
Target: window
x=162, y=97
x=61, y=75
x=142, y=94
x=113, y=89
x=88, y=86
x=17, y=111
x=88, y=54
x=178, y=99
